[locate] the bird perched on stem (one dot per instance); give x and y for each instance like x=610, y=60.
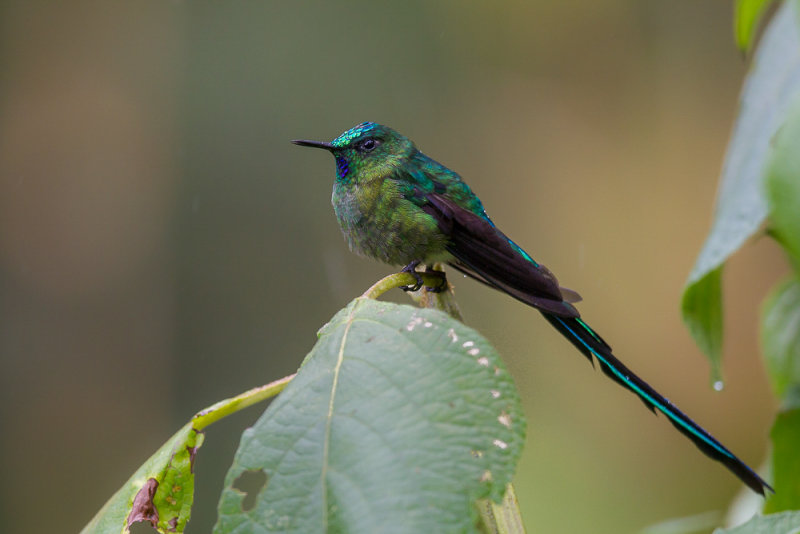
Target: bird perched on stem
x=399, y=206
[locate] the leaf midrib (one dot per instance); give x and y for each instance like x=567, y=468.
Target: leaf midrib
x=327, y=441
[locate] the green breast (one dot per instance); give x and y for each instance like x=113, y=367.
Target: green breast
x=379, y=222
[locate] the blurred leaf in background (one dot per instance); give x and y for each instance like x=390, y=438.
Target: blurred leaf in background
x=770, y=90
x=746, y=19
x=783, y=523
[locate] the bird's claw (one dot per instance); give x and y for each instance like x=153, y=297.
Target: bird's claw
x=411, y=269
x=442, y=283
x=417, y=286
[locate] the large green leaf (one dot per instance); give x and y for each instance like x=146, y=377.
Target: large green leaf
x=747, y=15
x=783, y=523
x=741, y=208
x=785, y=459
x=160, y=492
x=780, y=335
x=398, y=421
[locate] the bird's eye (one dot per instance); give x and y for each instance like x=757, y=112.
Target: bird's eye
x=369, y=145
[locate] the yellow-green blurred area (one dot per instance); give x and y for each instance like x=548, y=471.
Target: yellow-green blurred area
x=163, y=245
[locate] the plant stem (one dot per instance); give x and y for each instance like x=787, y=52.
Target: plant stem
x=397, y=280
x=503, y=518
x=227, y=407
x=443, y=300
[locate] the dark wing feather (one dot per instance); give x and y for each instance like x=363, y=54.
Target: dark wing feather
x=484, y=253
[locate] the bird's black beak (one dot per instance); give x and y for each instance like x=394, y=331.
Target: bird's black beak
x=314, y=144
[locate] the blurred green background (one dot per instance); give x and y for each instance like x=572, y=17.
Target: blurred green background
x=162, y=245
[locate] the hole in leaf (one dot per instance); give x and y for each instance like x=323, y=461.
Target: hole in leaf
x=250, y=483
x=142, y=527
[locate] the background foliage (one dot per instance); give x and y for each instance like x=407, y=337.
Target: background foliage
x=163, y=246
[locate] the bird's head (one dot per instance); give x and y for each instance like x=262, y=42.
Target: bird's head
x=367, y=150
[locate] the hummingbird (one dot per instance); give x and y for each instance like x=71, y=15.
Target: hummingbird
x=397, y=205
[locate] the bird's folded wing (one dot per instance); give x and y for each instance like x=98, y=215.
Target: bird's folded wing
x=486, y=254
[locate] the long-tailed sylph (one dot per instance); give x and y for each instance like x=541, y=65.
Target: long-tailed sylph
x=397, y=205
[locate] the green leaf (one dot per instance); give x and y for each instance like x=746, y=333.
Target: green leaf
x=783, y=185
x=160, y=492
x=398, y=421
x=741, y=206
x=747, y=15
x=785, y=460
x=780, y=335
x=783, y=523
x=702, y=313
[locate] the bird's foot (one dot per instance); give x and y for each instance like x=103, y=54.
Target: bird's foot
x=411, y=269
x=441, y=283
